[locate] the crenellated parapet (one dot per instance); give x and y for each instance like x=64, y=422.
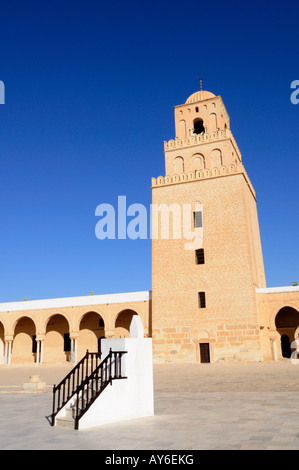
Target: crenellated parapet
x=197, y=175
x=197, y=139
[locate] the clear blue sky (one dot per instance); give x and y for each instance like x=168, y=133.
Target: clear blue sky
x=90, y=90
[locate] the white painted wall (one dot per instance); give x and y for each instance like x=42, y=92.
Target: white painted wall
x=129, y=398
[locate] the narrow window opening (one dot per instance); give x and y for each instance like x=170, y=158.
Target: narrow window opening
x=197, y=219
x=67, y=342
x=196, y=109
x=34, y=344
x=202, y=299
x=200, y=256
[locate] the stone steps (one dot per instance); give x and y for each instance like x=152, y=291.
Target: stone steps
x=66, y=421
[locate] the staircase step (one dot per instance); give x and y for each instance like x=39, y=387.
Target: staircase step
x=65, y=422
x=68, y=412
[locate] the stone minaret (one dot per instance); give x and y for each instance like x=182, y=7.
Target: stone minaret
x=204, y=298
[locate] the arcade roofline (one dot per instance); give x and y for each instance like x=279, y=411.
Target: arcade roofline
x=274, y=290
x=77, y=301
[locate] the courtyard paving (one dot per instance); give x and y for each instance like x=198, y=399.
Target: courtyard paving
x=250, y=406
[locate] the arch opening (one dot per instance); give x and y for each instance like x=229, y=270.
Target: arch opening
x=91, y=332
x=23, y=345
x=123, y=322
x=57, y=340
x=2, y=343
x=287, y=324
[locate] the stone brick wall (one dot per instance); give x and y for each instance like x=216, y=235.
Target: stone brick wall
x=233, y=265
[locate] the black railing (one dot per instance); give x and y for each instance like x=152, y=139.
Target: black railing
x=66, y=389
x=86, y=382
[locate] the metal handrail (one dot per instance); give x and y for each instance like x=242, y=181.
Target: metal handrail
x=66, y=389
x=91, y=384
x=95, y=384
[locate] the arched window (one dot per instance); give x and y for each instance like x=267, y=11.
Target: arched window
x=178, y=165
x=216, y=158
x=182, y=129
x=212, y=122
x=198, y=162
x=198, y=126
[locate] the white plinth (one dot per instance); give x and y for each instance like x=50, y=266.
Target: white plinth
x=129, y=398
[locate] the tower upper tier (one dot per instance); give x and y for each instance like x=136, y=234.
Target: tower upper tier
x=203, y=137
x=203, y=112
x=204, y=146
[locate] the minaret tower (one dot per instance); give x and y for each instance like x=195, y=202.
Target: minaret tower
x=204, y=299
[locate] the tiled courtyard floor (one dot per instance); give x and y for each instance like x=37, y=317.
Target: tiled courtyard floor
x=208, y=406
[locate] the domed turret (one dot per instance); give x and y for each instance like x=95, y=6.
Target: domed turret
x=202, y=113
x=200, y=96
